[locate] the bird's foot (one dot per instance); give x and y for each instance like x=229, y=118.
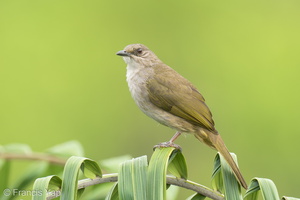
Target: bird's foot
x=167, y=144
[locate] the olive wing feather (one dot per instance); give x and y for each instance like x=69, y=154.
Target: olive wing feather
x=179, y=97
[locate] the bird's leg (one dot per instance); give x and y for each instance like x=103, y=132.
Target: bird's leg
x=170, y=143
x=177, y=134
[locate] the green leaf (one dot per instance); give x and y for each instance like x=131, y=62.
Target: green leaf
x=112, y=164
x=114, y=193
x=289, y=198
x=37, y=169
x=90, y=169
x=177, y=165
x=17, y=148
x=224, y=180
x=172, y=192
x=125, y=186
x=28, y=176
x=42, y=186
x=156, y=187
x=67, y=149
x=70, y=175
x=266, y=186
x=196, y=196
x=133, y=179
x=80, y=192
x=4, y=173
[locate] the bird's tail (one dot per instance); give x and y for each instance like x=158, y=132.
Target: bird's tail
x=215, y=141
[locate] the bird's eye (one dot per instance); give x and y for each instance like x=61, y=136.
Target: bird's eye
x=139, y=50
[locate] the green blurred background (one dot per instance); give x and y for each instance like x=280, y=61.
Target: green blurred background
x=60, y=79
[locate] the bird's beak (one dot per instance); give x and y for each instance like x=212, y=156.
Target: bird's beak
x=123, y=53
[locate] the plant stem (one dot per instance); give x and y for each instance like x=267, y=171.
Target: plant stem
x=170, y=180
x=34, y=156
x=190, y=185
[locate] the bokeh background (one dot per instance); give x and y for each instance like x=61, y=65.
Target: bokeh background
x=60, y=79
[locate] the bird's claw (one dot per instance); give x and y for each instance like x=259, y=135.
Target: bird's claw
x=167, y=144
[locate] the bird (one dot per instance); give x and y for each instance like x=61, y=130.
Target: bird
x=169, y=98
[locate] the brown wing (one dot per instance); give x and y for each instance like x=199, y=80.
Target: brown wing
x=171, y=92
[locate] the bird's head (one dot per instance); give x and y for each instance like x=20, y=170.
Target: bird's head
x=138, y=54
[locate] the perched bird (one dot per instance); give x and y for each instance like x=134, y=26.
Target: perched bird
x=164, y=95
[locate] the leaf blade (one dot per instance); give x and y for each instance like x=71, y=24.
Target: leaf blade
x=224, y=180
x=266, y=186
x=44, y=185
x=177, y=165
x=70, y=175
x=132, y=182
x=156, y=179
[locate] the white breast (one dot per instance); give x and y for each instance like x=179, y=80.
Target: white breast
x=136, y=77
